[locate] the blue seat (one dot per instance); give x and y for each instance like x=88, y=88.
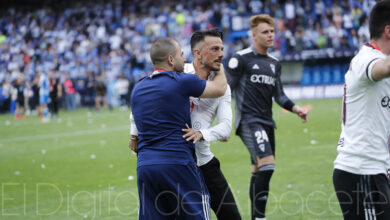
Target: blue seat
x=337, y=74
x=326, y=75
x=316, y=75
x=305, y=79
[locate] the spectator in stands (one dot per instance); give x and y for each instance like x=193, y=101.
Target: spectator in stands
x=101, y=93
x=101, y=36
x=70, y=92
x=55, y=94
x=122, y=88
x=19, y=90
x=90, y=86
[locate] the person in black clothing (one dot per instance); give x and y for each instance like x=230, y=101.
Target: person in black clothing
x=19, y=87
x=55, y=94
x=254, y=77
x=101, y=93
x=90, y=89
x=35, y=89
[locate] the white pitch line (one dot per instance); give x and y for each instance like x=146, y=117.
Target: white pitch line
x=59, y=135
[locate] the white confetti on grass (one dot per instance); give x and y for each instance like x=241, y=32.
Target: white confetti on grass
x=43, y=151
x=111, y=166
x=43, y=166
x=305, y=130
x=17, y=173
x=93, y=156
x=112, y=188
x=313, y=142
x=7, y=123
x=289, y=186
x=130, y=178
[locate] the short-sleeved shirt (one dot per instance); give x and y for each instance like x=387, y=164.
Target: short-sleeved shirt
x=161, y=107
x=365, y=137
x=255, y=79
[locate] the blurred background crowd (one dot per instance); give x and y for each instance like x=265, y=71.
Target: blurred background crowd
x=91, y=53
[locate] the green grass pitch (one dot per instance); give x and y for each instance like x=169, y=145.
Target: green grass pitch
x=80, y=167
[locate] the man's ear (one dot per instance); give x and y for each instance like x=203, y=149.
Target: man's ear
x=197, y=52
x=170, y=59
x=387, y=31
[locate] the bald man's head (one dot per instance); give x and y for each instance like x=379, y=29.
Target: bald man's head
x=161, y=49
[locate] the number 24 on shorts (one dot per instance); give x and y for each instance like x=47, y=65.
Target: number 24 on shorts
x=261, y=136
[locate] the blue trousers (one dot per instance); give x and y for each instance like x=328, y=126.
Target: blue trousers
x=171, y=191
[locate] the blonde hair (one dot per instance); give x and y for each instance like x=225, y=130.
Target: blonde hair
x=261, y=18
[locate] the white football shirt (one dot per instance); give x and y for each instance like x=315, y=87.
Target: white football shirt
x=203, y=112
x=364, y=141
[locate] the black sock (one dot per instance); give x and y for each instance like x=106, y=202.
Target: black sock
x=261, y=190
x=252, y=193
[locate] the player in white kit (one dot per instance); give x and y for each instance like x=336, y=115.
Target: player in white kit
x=207, y=49
x=361, y=166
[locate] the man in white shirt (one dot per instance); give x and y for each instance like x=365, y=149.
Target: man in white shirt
x=207, y=49
x=359, y=177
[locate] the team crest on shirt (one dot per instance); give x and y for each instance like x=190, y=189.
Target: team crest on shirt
x=197, y=125
x=272, y=67
x=262, y=147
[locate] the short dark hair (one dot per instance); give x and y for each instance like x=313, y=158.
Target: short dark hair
x=379, y=18
x=161, y=49
x=199, y=36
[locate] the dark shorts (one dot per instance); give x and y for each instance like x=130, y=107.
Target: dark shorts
x=362, y=197
x=20, y=101
x=170, y=191
x=222, y=199
x=259, y=139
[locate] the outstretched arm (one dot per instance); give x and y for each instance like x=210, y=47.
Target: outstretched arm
x=381, y=69
x=285, y=102
x=217, y=86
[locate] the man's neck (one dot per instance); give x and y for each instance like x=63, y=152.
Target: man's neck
x=260, y=50
x=383, y=45
x=163, y=67
x=201, y=72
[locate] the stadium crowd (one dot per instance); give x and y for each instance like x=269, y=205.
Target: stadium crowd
x=90, y=45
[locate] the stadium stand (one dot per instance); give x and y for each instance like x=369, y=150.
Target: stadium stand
x=107, y=38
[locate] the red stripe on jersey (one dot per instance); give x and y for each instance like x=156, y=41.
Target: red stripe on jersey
x=375, y=46
x=192, y=107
